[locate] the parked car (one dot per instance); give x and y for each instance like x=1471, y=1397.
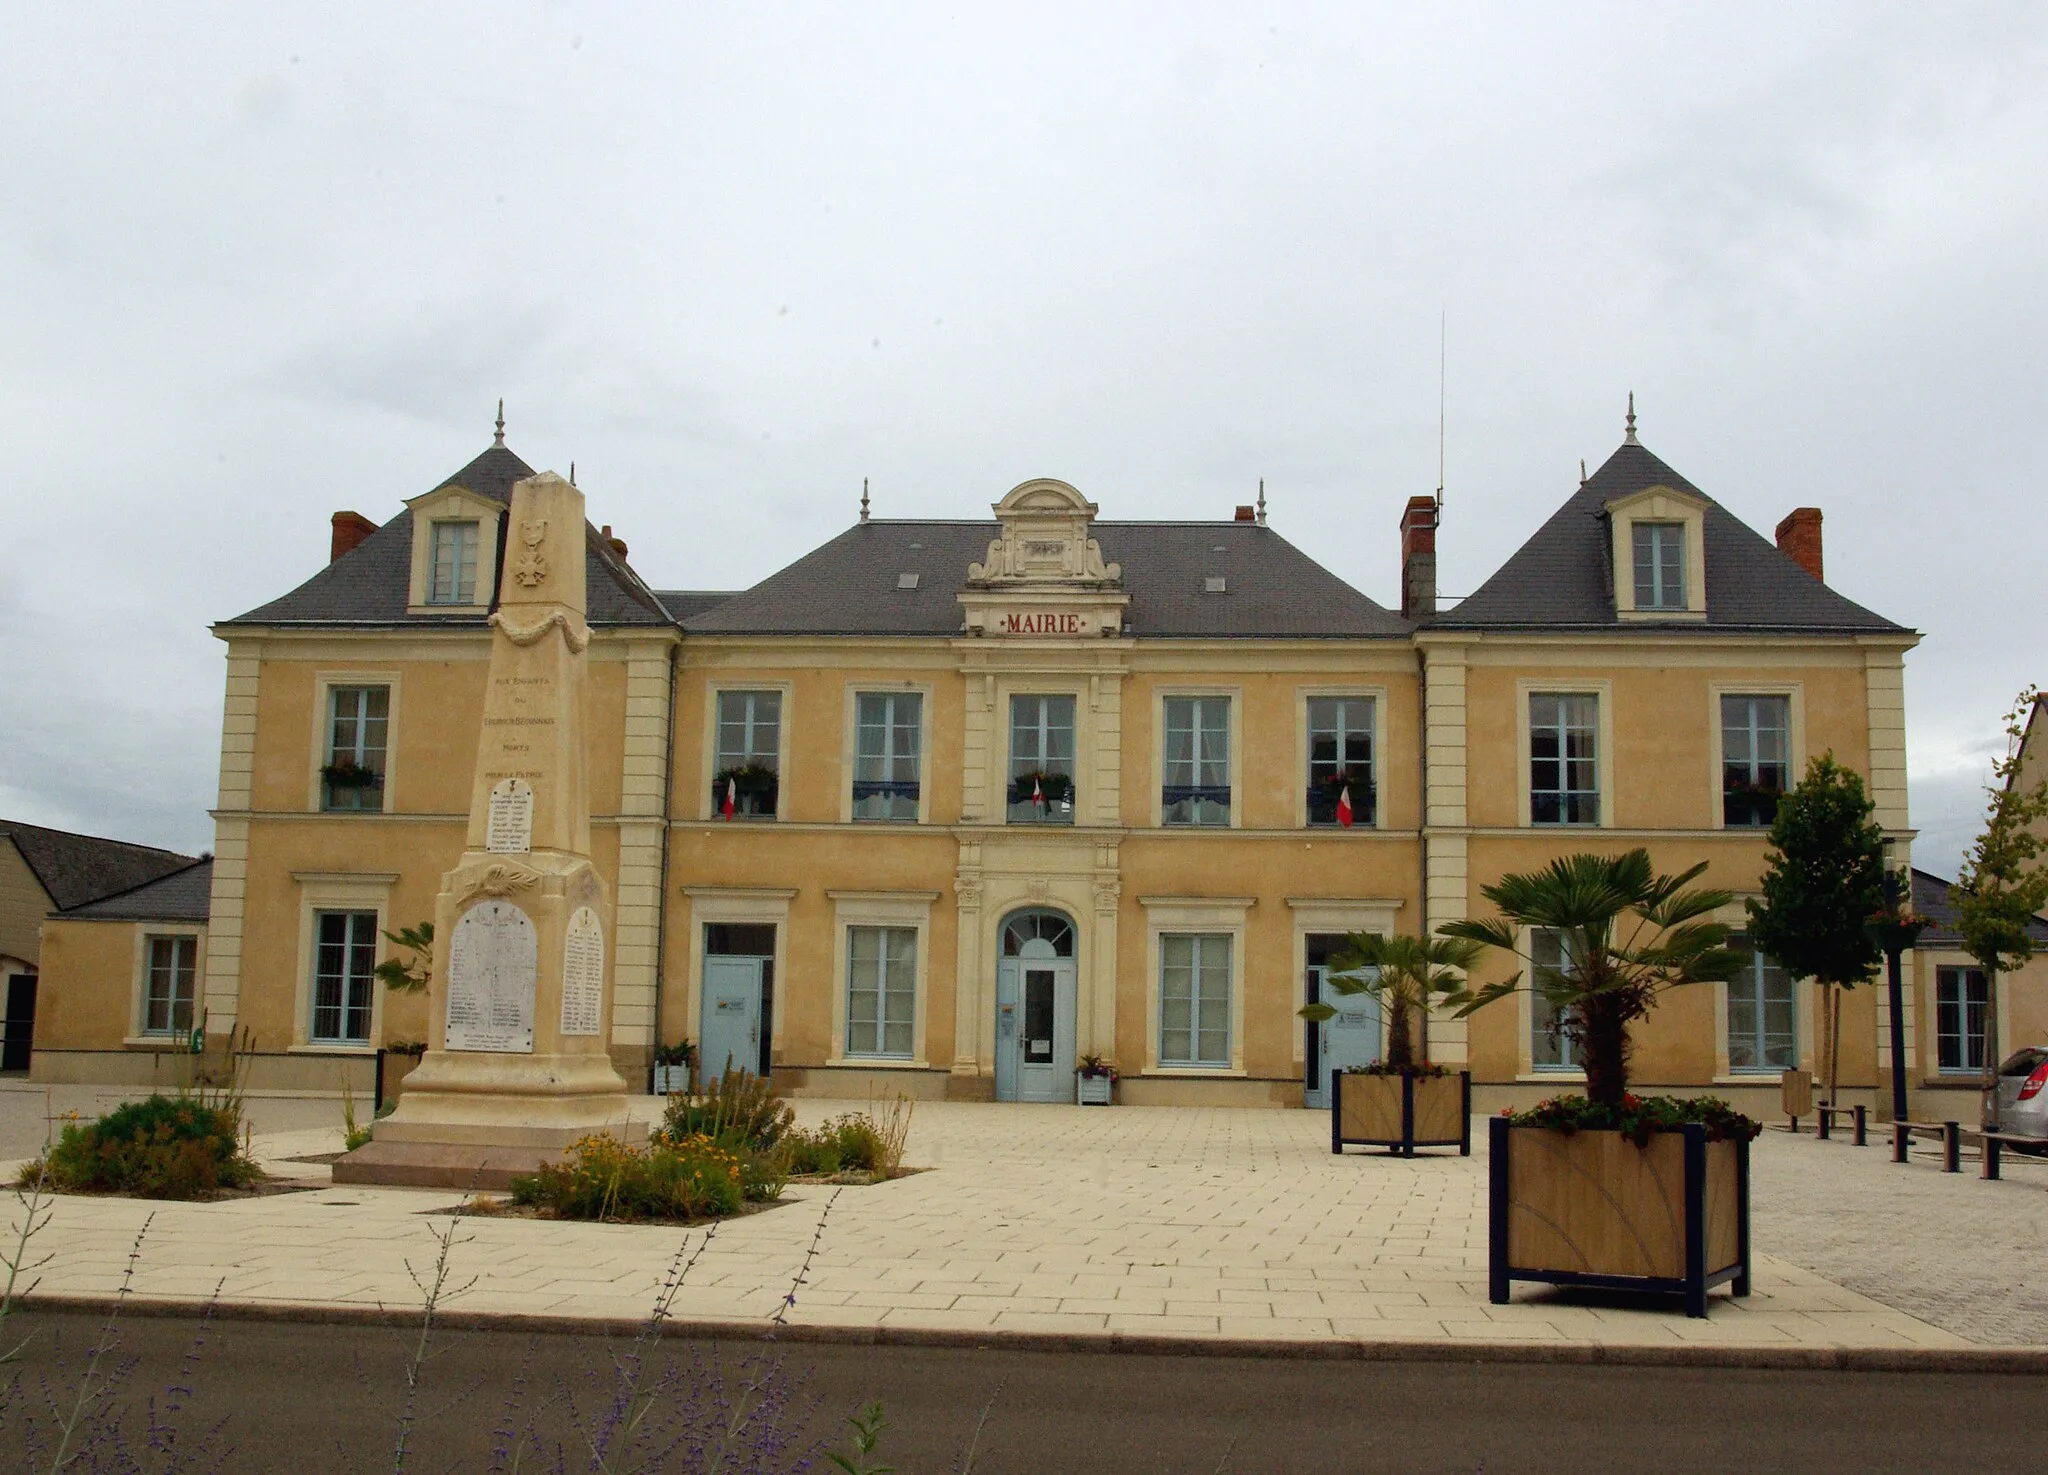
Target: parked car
x=2023, y=1093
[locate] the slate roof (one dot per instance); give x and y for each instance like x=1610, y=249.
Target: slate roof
x=850, y=585
x=1930, y=900
x=683, y=603
x=182, y=896
x=75, y=869
x=1562, y=578
x=371, y=583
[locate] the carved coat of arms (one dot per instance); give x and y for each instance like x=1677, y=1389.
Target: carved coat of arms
x=532, y=564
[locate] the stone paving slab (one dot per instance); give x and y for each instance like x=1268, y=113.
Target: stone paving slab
x=1128, y=1224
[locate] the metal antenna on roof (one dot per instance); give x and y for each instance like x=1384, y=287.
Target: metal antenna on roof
x=499, y=439
x=572, y=473
x=1262, y=501
x=1630, y=438
x=863, y=499
x=1582, y=471
x=1442, y=338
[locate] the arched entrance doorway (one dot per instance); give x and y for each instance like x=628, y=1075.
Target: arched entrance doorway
x=1035, y=1007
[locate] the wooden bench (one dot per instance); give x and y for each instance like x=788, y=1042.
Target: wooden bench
x=1949, y=1134
x=1992, y=1141
x=1861, y=1115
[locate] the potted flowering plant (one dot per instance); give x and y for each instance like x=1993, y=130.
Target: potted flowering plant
x=345, y=773
x=1610, y=1188
x=1094, y=1080
x=752, y=788
x=1048, y=794
x=672, y=1067
x=1400, y=1102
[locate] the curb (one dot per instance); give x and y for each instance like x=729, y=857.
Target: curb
x=2015, y=1361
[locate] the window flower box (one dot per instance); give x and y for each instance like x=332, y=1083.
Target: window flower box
x=1040, y=797
x=348, y=774
x=1401, y=1110
x=1592, y=1207
x=753, y=789
x=1324, y=795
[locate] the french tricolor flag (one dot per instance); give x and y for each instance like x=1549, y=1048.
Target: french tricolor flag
x=1344, y=807
x=732, y=788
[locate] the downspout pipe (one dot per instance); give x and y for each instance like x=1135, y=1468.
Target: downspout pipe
x=668, y=804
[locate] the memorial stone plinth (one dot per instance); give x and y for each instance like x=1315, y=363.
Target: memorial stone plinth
x=520, y=1000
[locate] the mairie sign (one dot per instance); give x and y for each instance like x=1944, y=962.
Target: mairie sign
x=1043, y=622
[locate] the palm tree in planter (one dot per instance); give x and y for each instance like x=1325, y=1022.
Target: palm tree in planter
x=1609, y=1188
x=1399, y=1102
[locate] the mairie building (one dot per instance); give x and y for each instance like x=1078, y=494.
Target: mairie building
x=946, y=807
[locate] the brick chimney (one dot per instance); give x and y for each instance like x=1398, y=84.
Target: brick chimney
x=1247, y=514
x=1799, y=539
x=1418, y=558
x=350, y=528
x=617, y=545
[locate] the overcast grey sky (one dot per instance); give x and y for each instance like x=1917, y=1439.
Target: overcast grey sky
x=260, y=263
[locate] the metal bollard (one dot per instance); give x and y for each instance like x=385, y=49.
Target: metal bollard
x=1862, y=1127
x=1902, y=1140
x=1951, y=1147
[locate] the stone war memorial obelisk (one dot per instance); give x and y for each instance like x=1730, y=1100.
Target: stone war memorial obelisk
x=519, y=999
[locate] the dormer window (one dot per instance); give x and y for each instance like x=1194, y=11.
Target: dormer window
x=1660, y=565
x=452, y=578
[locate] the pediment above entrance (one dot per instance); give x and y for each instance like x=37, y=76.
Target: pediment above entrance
x=1045, y=576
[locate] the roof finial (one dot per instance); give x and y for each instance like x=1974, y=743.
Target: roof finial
x=1582, y=471
x=572, y=473
x=1262, y=501
x=1630, y=438
x=863, y=499
x=499, y=439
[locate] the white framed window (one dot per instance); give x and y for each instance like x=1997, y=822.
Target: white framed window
x=358, y=734
x=344, y=960
x=1960, y=999
x=1763, y=1033
x=1340, y=760
x=888, y=733
x=1564, y=758
x=1041, y=782
x=1550, y=1048
x=1194, y=999
x=747, y=768
x=1756, y=766
x=170, y=989
x=451, y=576
x=1659, y=565
x=881, y=992
x=1195, y=772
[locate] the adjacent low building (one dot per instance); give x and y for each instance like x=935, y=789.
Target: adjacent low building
x=944, y=807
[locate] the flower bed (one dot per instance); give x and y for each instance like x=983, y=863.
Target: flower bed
x=160, y=1147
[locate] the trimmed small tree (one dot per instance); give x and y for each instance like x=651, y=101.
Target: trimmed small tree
x=1404, y=973
x=2002, y=887
x=1629, y=934
x=1823, y=881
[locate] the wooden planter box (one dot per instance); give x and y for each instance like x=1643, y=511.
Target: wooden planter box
x=671, y=1080
x=1093, y=1090
x=1401, y=1112
x=1593, y=1209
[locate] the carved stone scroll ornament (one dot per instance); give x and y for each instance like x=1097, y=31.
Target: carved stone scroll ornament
x=574, y=631
x=499, y=878
x=1107, y=895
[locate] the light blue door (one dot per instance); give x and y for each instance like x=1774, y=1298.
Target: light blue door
x=1035, y=1028
x=1350, y=1037
x=732, y=1016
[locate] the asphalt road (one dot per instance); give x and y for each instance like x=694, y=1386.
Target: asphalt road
x=314, y=1398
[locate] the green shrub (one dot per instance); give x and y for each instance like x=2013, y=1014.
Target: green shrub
x=736, y=1109
x=691, y=1177
x=160, y=1147
x=850, y=1143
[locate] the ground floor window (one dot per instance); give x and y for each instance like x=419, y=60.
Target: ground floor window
x=344, y=955
x=172, y=985
x=1960, y=996
x=1550, y=1048
x=1761, y=1032
x=1194, y=998
x=881, y=991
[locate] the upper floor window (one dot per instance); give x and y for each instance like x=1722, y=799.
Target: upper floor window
x=1041, y=760
x=452, y=577
x=1660, y=565
x=1340, y=782
x=881, y=991
x=1564, y=771
x=1960, y=998
x=172, y=986
x=747, y=778
x=1550, y=1047
x=1196, y=786
x=357, y=726
x=1194, y=999
x=1761, y=1030
x=1755, y=763
x=887, y=726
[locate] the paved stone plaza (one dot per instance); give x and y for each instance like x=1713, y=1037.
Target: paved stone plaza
x=1169, y=1222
